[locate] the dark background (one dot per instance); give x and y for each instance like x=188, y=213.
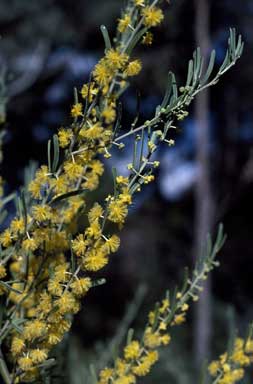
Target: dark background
x=50, y=46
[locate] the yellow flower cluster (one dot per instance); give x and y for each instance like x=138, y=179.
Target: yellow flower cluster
x=139, y=357
x=47, y=288
x=230, y=368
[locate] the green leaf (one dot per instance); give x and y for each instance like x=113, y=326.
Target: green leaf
x=7, y=286
x=106, y=37
x=168, y=90
x=130, y=335
x=56, y=153
x=49, y=156
x=98, y=282
x=209, y=68
x=24, y=207
x=135, y=40
x=190, y=73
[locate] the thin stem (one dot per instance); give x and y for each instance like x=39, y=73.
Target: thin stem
x=4, y=370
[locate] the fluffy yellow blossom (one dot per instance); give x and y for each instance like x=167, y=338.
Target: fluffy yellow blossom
x=112, y=244
x=124, y=22
x=94, y=230
x=81, y=286
x=95, y=261
x=147, y=38
x=54, y=287
x=5, y=238
x=133, y=68
x=29, y=244
x=92, y=133
x=67, y=303
x=2, y=271
x=105, y=375
x=151, y=340
x=165, y=306
x=139, y=3
x=132, y=350
x=34, y=329
x=17, y=226
x=65, y=136
x=25, y=363
x=97, y=167
x=122, y=180
x=153, y=16
x=117, y=211
x=214, y=368
x=179, y=319
x=76, y=110
x=109, y=114
x=60, y=185
x=95, y=213
x=17, y=345
x=41, y=212
x=143, y=368
x=79, y=245
x=38, y=355
x=90, y=89
x=73, y=170
x=116, y=59
x=102, y=73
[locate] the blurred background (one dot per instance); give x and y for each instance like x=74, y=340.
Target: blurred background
x=49, y=46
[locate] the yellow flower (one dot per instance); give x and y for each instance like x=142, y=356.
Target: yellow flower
x=17, y=226
x=95, y=261
x=146, y=363
x=2, y=271
x=60, y=185
x=133, y=68
x=213, y=368
x=97, y=167
x=81, y=286
x=179, y=319
x=89, y=89
x=66, y=303
x=92, y=133
x=116, y=59
x=34, y=329
x=76, y=110
x=42, y=212
x=117, y=211
x=65, y=136
x=122, y=180
x=153, y=16
x=147, y=39
x=124, y=23
x=73, y=170
x=38, y=355
x=94, y=230
x=165, y=339
x=79, y=245
x=5, y=238
x=105, y=375
x=139, y=3
x=95, y=213
x=29, y=244
x=54, y=287
x=109, y=114
x=132, y=350
x=17, y=345
x=101, y=73
x=25, y=363
x=151, y=340
x=112, y=244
